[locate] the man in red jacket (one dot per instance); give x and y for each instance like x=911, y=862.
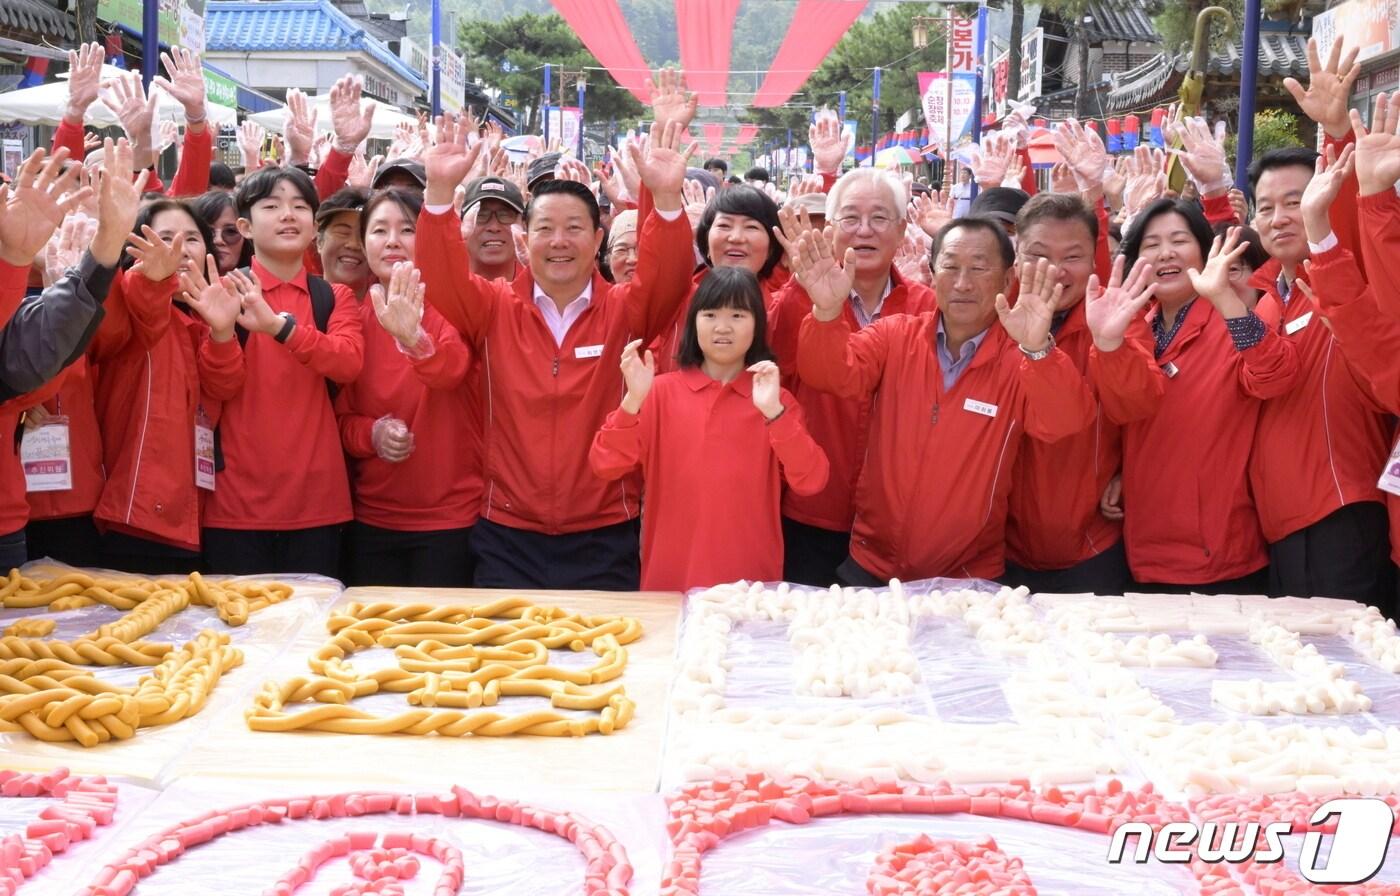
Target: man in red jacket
x=953, y=394
x=546, y=342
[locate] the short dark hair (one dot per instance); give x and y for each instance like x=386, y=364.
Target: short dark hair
x=726, y=288
x=209, y=206
x=410, y=202
x=148, y=213
x=986, y=225
x=758, y=174
x=572, y=188
x=733, y=180
x=346, y=199
x=1196, y=222
x=751, y=203
x=1280, y=158
x=1255, y=257
x=221, y=175
x=1057, y=207
x=721, y=164
x=260, y=184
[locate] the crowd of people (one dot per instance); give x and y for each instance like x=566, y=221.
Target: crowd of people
x=451, y=367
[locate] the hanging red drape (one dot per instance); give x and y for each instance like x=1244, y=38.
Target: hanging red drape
x=605, y=32
x=714, y=138
x=816, y=27
x=746, y=135
x=706, y=31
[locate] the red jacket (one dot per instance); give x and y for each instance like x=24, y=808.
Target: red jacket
x=75, y=401
x=1380, y=247
x=284, y=467
x=196, y=155
x=840, y=426
x=159, y=367
x=933, y=490
x=1321, y=444
x=544, y=402
x=439, y=485
x=1054, y=520
x=1189, y=515
x=714, y=470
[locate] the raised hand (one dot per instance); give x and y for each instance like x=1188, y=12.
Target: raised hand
x=155, y=258
x=1147, y=179
x=301, y=127
x=1378, y=150
x=1213, y=283
x=168, y=132
x=1109, y=312
x=662, y=168
x=400, y=307
x=214, y=300
x=793, y=224
x=250, y=142
x=254, y=314
x=670, y=101
x=638, y=373
x=933, y=211
x=1062, y=178
x=829, y=142
x=767, y=389
x=911, y=260
x=35, y=205
x=1239, y=204
x=574, y=170
x=1083, y=152
x=450, y=160
x=127, y=100
x=1325, y=100
x=118, y=201
x=84, y=74
x=992, y=161
x=697, y=199
x=1330, y=173
x=185, y=82
x=351, y=121
x=1115, y=182
x=827, y=279
x=1041, y=291
x=67, y=245
x=805, y=185
x=1203, y=155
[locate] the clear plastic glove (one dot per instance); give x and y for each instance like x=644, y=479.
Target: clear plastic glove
x=391, y=439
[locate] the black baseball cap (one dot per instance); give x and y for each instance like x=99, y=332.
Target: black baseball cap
x=542, y=168
x=346, y=199
x=497, y=188
x=412, y=167
x=1000, y=203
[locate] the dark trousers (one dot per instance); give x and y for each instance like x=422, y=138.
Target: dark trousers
x=435, y=559
x=129, y=553
x=72, y=540
x=811, y=556
x=1345, y=554
x=606, y=559
x=1254, y=583
x=12, y=551
x=241, y=552
x=1104, y=573
x=853, y=574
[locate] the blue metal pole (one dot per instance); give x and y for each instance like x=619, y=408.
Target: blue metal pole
x=582, y=89
x=977, y=98
x=841, y=106
x=150, y=41
x=437, y=58
x=1249, y=77
x=548, y=91
x=875, y=112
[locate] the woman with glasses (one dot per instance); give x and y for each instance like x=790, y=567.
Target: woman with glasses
x=409, y=423
x=217, y=211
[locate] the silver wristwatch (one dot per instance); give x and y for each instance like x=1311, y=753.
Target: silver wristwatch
x=1040, y=355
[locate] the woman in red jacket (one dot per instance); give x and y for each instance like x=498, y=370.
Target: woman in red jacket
x=715, y=441
x=166, y=358
x=1190, y=521
x=408, y=422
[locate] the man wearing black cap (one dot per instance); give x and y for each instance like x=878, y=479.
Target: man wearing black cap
x=541, y=170
x=1001, y=204
x=402, y=174
x=338, y=244
x=491, y=209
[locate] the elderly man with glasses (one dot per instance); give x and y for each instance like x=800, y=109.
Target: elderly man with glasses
x=491, y=210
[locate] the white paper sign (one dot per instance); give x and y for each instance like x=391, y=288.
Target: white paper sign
x=203, y=451
x=1298, y=323
x=980, y=407
x=47, y=459
x=588, y=351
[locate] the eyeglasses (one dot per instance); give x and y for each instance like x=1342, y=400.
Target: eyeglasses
x=623, y=251
x=878, y=223
x=228, y=234
x=506, y=216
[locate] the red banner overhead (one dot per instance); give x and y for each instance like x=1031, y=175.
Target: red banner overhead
x=605, y=32
x=714, y=138
x=746, y=135
x=816, y=27
x=706, y=31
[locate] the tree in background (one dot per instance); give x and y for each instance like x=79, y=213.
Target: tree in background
x=1176, y=23
x=1273, y=129
x=509, y=55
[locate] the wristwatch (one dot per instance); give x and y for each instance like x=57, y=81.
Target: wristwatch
x=1040, y=355
x=289, y=324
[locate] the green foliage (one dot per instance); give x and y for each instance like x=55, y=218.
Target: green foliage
x=1176, y=23
x=509, y=55
x=1273, y=129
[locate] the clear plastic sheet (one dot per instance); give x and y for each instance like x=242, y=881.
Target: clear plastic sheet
x=143, y=757
x=498, y=857
x=61, y=877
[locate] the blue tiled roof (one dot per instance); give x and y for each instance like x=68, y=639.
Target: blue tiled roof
x=311, y=25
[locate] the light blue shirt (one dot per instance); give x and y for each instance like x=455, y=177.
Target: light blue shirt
x=952, y=368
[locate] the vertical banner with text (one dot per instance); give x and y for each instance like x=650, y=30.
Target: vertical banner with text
x=934, y=90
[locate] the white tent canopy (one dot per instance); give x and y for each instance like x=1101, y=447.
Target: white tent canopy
x=44, y=105
x=386, y=117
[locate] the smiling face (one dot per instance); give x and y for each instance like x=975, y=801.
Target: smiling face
x=389, y=238
x=738, y=241
x=280, y=224
x=877, y=231
x=1171, y=248
x=228, y=240
x=563, y=242
x=491, y=243
x=1069, y=246
x=725, y=335
x=1278, y=199
x=342, y=255
x=968, y=274
x=174, y=222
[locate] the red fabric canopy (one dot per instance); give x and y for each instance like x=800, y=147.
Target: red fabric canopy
x=746, y=135
x=816, y=27
x=606, y=34
x=706, y=31
x=714, y=138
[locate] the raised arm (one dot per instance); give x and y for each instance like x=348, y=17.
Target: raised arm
x=664, y=256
